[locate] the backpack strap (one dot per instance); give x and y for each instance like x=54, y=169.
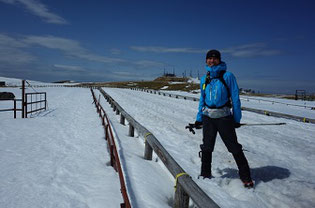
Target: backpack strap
x=221, y=74
x=208, y=80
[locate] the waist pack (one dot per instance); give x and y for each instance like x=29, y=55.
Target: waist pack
x=216, y=112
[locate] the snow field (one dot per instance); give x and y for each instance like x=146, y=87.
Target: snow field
x=269, y=104
x=58, y=158
x=279, y=156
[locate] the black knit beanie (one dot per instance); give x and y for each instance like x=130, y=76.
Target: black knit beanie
x=214, y=53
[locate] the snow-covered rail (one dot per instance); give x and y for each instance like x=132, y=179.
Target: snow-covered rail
x=264, y=112
x=185, y=187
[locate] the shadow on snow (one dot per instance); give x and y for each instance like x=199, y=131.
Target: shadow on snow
x=261, y=174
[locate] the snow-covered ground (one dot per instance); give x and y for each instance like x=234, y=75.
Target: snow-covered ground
x=18, y=82
x=286, y=106
x=59, y=158
x=279, y=156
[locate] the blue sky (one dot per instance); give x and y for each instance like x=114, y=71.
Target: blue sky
x=268, y=45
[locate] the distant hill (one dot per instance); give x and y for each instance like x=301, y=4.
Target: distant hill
x=160, y=83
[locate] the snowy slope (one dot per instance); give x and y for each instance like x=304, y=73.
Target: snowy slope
x=281, y=157
x=270, y=104
x=59, y=158
x=17, y=82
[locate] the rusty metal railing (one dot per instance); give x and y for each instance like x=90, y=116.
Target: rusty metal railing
x=29, y=101
x=114, y=157
x=14, y=109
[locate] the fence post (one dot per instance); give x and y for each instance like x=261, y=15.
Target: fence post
x=117, y=112
x=122, y=119
x=45, y=101
x=147, y=150
x=14, y=108
x=103, y=120
x=25, y=105
x=106, y=131
x=131, y=130
x=23, y=96
x=181, y=197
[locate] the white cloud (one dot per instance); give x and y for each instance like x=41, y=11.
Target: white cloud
x=251, y=50
x=69, y=68
x=39, y=9
x=115, y=51
x=166, y=50
x=70, y=47
x=247, y=50
x=11, y=52
x=147, y=64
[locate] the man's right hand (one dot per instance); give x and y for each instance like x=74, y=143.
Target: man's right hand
x=198, y=124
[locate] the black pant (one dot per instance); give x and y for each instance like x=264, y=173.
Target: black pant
x=225, y=127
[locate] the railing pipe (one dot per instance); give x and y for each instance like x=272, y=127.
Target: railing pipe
x=200, y=198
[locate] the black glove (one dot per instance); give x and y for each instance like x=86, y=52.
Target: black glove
x=237, y=125
x=198, y=124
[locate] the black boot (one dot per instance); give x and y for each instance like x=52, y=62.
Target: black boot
x=206, y=159
x=243, y=169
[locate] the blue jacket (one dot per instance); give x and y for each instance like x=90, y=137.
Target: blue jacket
x=215, y=94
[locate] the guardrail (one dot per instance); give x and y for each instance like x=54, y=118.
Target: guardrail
x=114, y=157
x=185, y=187
x=264, y=112
x=272, y=102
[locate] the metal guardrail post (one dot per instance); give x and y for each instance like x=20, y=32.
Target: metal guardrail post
x=181, y=199
x=131, y=130
x=122, y=119
x=148, y=150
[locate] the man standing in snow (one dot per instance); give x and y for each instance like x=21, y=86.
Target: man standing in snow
x=218, y=88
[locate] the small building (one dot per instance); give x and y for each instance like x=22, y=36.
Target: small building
x=2, y=84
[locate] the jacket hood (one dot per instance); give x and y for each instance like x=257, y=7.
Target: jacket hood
x=214, y=70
